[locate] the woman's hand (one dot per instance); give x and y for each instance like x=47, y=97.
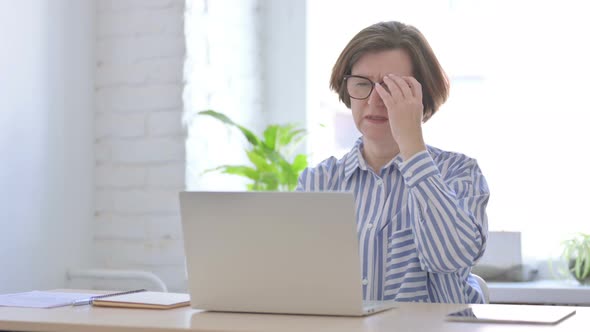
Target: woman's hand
x=405, y=110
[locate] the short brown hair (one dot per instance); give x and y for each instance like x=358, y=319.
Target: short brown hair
x=395, y=35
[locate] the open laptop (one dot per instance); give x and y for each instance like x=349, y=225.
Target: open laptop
x=274, y=252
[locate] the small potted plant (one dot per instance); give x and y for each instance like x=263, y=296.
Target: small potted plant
x=272, y=168
x=576, y=254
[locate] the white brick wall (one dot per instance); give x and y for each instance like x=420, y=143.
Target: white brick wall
x=140, y=142
x=148, y=96
x=140, y=151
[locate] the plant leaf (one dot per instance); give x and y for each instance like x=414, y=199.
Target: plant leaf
x=585, y=258
x=253, y=139
x=292, y=136
x=270, y=179
x=578, y=268
x=245, y=171
x=286, y=134
x=272, y=170
x=270, y=136
x=299, y=163
x=259, y=160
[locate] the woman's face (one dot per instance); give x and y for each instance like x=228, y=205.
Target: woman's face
x=370, y=115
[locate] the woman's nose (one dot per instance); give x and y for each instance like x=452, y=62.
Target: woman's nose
x=374, y=98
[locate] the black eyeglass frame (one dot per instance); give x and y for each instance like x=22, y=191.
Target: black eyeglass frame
x=345, y=80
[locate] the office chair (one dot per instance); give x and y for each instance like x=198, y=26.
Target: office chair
x=483, y=286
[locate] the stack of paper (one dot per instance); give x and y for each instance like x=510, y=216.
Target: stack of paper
x=41, y=299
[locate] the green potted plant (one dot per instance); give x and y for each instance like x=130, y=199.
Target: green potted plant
x=576, y=254
x=271, y=169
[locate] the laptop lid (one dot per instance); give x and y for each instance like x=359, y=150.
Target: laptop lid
x=275, y=252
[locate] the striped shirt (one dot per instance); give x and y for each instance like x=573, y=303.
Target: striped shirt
x=421, y=223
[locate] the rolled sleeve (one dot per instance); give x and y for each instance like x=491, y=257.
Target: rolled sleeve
x=448, y=214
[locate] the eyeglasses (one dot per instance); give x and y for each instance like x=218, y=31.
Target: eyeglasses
x=359, y=87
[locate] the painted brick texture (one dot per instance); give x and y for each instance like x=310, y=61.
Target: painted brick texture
x=139, y=137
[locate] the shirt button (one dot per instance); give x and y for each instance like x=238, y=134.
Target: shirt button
x=365, y=282
x=369, y=225
x=379, y=182
x=409, y=173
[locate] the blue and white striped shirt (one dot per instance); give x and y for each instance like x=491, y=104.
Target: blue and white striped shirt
x=421, y=223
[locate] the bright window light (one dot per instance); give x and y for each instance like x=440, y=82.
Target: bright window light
x=518, y=102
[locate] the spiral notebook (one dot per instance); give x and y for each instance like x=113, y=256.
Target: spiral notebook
x=144, y=300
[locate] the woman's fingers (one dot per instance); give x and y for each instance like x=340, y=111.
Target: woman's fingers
x=399, y=90
x=402, y=85
x=414, y=85
x=385, y=95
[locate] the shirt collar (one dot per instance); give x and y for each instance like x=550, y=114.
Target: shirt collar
x=354, y=160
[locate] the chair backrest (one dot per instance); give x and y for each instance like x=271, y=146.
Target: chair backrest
x=483, y=286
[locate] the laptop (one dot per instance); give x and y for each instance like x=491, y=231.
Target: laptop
x=274, y=252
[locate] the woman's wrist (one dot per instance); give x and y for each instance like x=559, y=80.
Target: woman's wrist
x=409, y=150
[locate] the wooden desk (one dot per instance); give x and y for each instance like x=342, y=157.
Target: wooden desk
x=408, y=317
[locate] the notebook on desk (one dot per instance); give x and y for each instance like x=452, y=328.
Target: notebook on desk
x=274, y=252
x=144, y=300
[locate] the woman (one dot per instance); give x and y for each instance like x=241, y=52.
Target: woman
x=421, y=214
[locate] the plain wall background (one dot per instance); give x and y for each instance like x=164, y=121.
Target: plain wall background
x=90, y=116
x=46, y=140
